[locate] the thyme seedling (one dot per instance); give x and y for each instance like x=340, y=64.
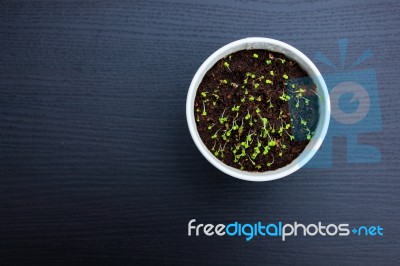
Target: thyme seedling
x=211, y=126
x=284, y=97
x=271, y=163
x=215, y=135
x=247, y=117
x=226, y=64
x=235, y=108
x=204, y=113
x=222, y=119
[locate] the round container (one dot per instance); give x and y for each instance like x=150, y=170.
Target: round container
x=305, y=63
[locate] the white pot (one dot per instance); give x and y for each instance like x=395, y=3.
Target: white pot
x=305, y=63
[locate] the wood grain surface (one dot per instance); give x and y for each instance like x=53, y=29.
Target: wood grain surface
x=97, y=166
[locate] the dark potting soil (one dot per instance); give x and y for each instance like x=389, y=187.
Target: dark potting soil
x=256, y=110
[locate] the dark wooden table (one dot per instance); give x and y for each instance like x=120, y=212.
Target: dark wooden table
x=97, y=166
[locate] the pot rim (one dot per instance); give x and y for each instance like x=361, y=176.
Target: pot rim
x=292, y=53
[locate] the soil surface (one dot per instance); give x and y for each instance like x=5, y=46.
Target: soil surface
x=256, y=110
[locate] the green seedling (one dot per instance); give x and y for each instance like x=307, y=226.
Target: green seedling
x=256, y=150
x=285, y=76
x=309, y=133
x=251, y=121
x=204, y=113
x=270, y=104
x=226, y=64
x=224, y=135
x=266, y=150
x=297, y=103
x=271, y=73
x=268, y=62
x=271, y=163
x=247, y=117
x=284, y=97
x=235, y=85
x=215, y=135
x=271, y=143
x=249, y=137
x=237, y=147
x=248, y=74
x=301, y=90
x=213, y=147
x=222, y=119
x=265, y=131
x=268, y=81
x=220, y=150
x=235, y=108
x=282, y=60
x=234, y=125
x=252, y=162
x=255, y=55
x=240, y=129
x=244, y=144
x=280, y=131
x=204, y=94
x=211, y=126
